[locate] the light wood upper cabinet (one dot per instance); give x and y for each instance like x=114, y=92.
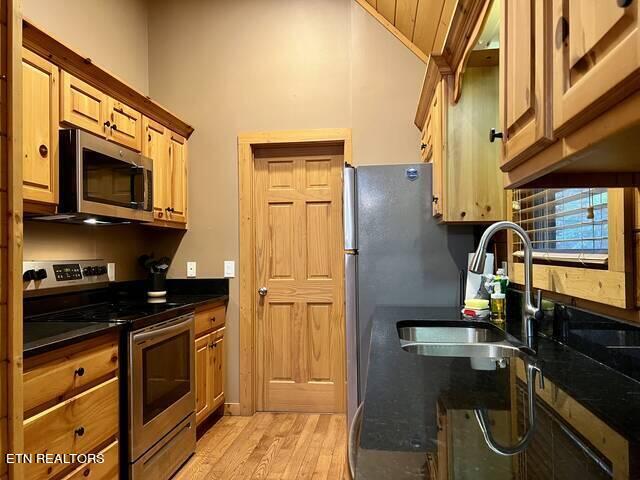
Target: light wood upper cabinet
x=525, y=67
x=177, y=179
x=436, y=147
x=88, y=108
x=155, y=145
x=596, y=59
x=124, y=125
x=40, y=129
x=466, y=180
x=82, y=105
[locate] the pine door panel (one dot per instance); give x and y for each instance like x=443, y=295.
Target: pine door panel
x=156, y=147
x=40, y=132
x=596, y=59
x=83, y=105
x=177, y=189
x=526, y=86
x=299, y=259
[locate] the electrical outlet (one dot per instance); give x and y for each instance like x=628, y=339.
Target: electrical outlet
x=229, y=269
x=111, y=271
x=191, y=269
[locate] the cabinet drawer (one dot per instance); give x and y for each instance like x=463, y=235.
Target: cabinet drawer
x=53, y=380
x=209, y=319
x=77, y=425
x=108, y=470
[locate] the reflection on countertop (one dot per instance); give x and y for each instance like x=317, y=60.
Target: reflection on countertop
x=418, y=419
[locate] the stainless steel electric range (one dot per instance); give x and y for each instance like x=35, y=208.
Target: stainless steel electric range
x=157, y=402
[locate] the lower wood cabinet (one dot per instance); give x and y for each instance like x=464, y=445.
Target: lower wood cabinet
x=107, y=470
x=210, y=364
x=72, y=406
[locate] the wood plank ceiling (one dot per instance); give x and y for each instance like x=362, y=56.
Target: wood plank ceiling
x=420, y=24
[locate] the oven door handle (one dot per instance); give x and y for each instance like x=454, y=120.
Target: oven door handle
x=162, y=330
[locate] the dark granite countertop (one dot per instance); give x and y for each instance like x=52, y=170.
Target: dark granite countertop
x=41, y=337
x=50, y=322
x=418, y=411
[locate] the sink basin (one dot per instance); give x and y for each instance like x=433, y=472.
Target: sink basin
x=437, y=333
x=472, y=350
x=456, y=339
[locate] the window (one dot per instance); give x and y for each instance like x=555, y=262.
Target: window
x=565, y=225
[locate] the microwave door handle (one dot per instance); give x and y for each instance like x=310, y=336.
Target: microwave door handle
x=161, y=331
x=147, y=178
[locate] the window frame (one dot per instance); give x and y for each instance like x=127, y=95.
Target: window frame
x=611, y=286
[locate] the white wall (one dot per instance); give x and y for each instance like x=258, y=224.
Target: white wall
x=233, y=66
x=113, y=33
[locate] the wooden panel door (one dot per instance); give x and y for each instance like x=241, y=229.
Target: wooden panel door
x=40, y=116
x=438, y=132
x=203, y=377
x=177, y=178
x=125, y=125
x=525, y=66
x=597, y=64
x=299, y=262
x=82, y=105
x=155, y=145
x=217, y=368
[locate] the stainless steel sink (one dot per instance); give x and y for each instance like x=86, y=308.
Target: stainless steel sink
x=456, y=339
x=475, y=350
x=452, y=334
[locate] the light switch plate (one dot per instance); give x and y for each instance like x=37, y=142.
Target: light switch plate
x=191, y=269
x=229, y=269
x=111, y=271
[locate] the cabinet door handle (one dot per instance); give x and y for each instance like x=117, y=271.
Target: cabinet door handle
x=434, y=199
x=107, y=124
x=114, y=127
x=43, y=150
x=423, y=146
x=79, y=431
x=493, y=135
x=79, y=372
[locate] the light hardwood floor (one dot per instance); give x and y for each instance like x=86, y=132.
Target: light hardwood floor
x=271, y=446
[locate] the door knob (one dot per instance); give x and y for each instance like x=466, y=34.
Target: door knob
x=263, y=291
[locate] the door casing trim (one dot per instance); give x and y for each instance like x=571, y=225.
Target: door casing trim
x=246, y=143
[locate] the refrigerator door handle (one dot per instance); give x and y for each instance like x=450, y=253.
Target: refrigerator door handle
x=349, y=209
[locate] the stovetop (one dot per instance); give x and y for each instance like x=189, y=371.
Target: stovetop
x=119, y=312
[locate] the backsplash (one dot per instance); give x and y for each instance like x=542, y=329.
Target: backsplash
x=122, y=244
x=610, y=341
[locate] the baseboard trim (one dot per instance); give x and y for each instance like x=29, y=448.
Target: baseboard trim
x=232, y=409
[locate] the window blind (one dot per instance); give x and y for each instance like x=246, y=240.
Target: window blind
x=564, y=225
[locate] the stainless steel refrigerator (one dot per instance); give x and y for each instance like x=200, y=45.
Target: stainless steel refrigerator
x=396, y=253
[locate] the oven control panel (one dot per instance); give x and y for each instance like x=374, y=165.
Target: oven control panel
x=67, y=271
x=43, y=276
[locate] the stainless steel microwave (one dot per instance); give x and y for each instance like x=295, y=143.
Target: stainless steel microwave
x=101, y=182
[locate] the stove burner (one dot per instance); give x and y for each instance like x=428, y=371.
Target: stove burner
x=107, y=312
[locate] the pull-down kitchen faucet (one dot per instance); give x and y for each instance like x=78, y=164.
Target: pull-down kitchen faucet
x=531, y=313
